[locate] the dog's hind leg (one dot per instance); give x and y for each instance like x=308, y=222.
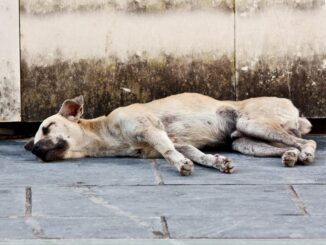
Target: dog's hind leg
x=219, y=162
x=270, y=131
x=258, y=148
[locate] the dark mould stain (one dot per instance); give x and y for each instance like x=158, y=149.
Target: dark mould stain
x=262, y=79
x=303, y=80
x=45, y=87
x=308, y=85
x=9, y=99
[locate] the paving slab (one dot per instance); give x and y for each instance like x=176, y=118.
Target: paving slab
x=15, y=228
x=150, y=201
x=201, y=200
x=79, y=228
x=314, y=198
x=12, y=202
x=253, y=170
x=100, y=228
x=19, y=167
x=255, y=226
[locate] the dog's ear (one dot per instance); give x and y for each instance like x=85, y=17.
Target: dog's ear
x=73, y=109
x=29, y=145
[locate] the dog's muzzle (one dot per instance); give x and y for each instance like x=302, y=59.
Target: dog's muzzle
x=46, y=150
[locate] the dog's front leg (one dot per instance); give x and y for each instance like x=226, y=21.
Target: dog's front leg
x=219, y=162
x=160, y=141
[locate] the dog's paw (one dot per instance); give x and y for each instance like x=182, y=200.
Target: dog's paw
x=306, y=157
x=307, y=154
x=223, y=164
x=290, y=157
x=186, y=167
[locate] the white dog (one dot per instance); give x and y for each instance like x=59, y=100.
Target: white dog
x=175, y=128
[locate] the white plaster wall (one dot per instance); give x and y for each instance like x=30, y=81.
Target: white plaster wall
x=101, y=34
x=280, y=32
x=9, y=61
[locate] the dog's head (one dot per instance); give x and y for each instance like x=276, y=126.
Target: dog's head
x=60, y=134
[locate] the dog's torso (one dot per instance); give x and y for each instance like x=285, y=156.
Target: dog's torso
x=187, y=118
x=176, y=128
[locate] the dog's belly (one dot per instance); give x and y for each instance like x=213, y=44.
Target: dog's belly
x=200, y=130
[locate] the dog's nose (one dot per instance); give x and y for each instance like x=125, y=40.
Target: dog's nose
x=40, y=150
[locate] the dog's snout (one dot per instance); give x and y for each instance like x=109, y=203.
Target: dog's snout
x=40, y=150
x=42, y=147
x=47, y=150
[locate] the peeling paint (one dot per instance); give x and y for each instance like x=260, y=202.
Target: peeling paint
x=46, y=86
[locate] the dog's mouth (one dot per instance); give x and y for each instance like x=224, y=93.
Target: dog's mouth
x=48, y=151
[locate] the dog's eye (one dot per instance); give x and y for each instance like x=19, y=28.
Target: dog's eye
x=46, y=129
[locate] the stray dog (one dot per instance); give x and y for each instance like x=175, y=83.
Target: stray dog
x=176, y=127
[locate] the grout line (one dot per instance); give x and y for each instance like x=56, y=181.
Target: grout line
x=165, y=228
x=28, y=201
x=296, y=199
x=69, y=217
x=156, y=171
x=32, y=223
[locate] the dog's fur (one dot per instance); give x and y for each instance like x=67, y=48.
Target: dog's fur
x=175, y=128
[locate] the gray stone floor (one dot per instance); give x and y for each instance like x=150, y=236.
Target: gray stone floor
x=124, y=198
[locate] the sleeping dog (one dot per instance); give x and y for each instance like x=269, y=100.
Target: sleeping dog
x=175, y=128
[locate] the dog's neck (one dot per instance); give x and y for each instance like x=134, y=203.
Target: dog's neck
x=100, y=139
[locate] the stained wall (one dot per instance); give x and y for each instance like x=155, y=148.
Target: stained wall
x=281, y=51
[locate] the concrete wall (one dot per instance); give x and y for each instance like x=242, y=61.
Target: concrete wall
x=281, y=51
x=9, y=61
x=117, y=52
x=120, y=52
